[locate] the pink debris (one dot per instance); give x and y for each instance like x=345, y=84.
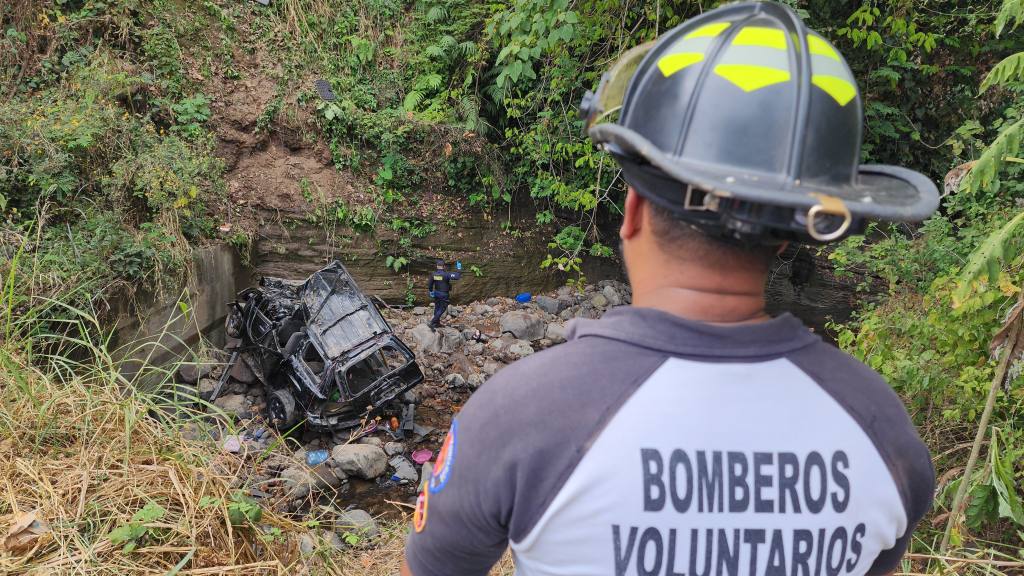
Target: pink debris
x=422, y=456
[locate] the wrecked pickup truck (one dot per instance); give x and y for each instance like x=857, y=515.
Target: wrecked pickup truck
x=321, y=349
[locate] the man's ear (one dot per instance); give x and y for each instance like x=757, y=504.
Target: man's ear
x=632, y=218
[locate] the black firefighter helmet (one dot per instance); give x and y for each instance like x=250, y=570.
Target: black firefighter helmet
x=744, y=122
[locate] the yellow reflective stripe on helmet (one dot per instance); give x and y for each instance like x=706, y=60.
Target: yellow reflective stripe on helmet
x=821, y=47
x=709, y=30
x=761, y=36
x=673, y=63
x=750, y=78
x=839, y=89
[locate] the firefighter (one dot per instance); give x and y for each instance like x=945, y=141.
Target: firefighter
x=440, y=287
x=692, y=432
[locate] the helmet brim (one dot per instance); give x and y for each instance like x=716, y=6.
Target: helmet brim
x=880, y=192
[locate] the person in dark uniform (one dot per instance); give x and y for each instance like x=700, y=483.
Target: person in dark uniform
x=440, y=287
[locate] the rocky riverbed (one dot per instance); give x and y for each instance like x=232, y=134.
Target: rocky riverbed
x=347, y=479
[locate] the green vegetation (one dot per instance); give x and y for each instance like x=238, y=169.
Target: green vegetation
x=108, y=177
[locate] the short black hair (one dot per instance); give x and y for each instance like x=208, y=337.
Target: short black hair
x=677, y=236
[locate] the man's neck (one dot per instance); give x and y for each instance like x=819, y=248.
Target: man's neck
x=700, y=304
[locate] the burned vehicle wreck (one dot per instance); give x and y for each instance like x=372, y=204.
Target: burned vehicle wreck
x=321, y=349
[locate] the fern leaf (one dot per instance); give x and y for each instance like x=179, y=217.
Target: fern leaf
x=447, y=42
x=436, y=14
x=412, y=100
x=433, y=80
x=468, y=48
x=1011, y=69
x=987, y=167
x=1010, y=10
x=989, y=258
x=433, y=51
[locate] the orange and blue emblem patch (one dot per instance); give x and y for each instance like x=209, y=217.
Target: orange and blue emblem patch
x=419, y=516
x=445, y=459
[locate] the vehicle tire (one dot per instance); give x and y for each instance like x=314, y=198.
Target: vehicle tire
x=281, y=411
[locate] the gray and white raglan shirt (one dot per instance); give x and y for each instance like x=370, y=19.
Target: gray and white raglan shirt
x=651, y=445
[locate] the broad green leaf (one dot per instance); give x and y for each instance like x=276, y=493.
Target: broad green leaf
x=986, y=262
x=1010, y=69
x=1002, y=480
x=1011, y=10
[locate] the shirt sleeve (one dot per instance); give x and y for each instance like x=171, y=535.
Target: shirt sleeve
x=461, y=523
x=917, y=476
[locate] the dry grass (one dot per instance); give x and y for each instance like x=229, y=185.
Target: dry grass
x=86, y=457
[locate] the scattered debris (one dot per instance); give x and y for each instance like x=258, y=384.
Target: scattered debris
x=422, y=456
x=316, y=457
x=405, y=472
x=323, y=88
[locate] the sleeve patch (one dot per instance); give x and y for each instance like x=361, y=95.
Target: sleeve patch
x=419, y=517
x=445, y=460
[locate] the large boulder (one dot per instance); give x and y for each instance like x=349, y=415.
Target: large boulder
x=191, y=372
x=448, y=340
x=301, y=481
x=241, y=372
x=522, y=324
x=423, y=336
x=612, y=295
x=551, y=305
x=519, y=349
x=357, y=522
x=555, y=332
x=234, y=404
x=499, y=345
x=206, y=387
x=360, y=460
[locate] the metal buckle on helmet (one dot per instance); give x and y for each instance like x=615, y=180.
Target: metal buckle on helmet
x=708, y=201
x=832, y=206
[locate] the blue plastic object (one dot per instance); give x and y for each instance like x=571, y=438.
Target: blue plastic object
x=316, y=457
x=458, y=264
x=524, y=297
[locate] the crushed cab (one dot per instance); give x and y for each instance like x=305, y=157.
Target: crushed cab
x=321, y=348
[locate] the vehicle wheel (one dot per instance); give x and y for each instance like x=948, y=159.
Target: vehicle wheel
x=281, y=409
x=233, y=323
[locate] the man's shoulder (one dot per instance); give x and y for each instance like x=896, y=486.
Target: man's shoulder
x=591, y=365
x=875, y=406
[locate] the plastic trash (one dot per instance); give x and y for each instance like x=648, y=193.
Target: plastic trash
x=458, y=264
x=316, y=457
x=524, y=297
x=422, y=456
